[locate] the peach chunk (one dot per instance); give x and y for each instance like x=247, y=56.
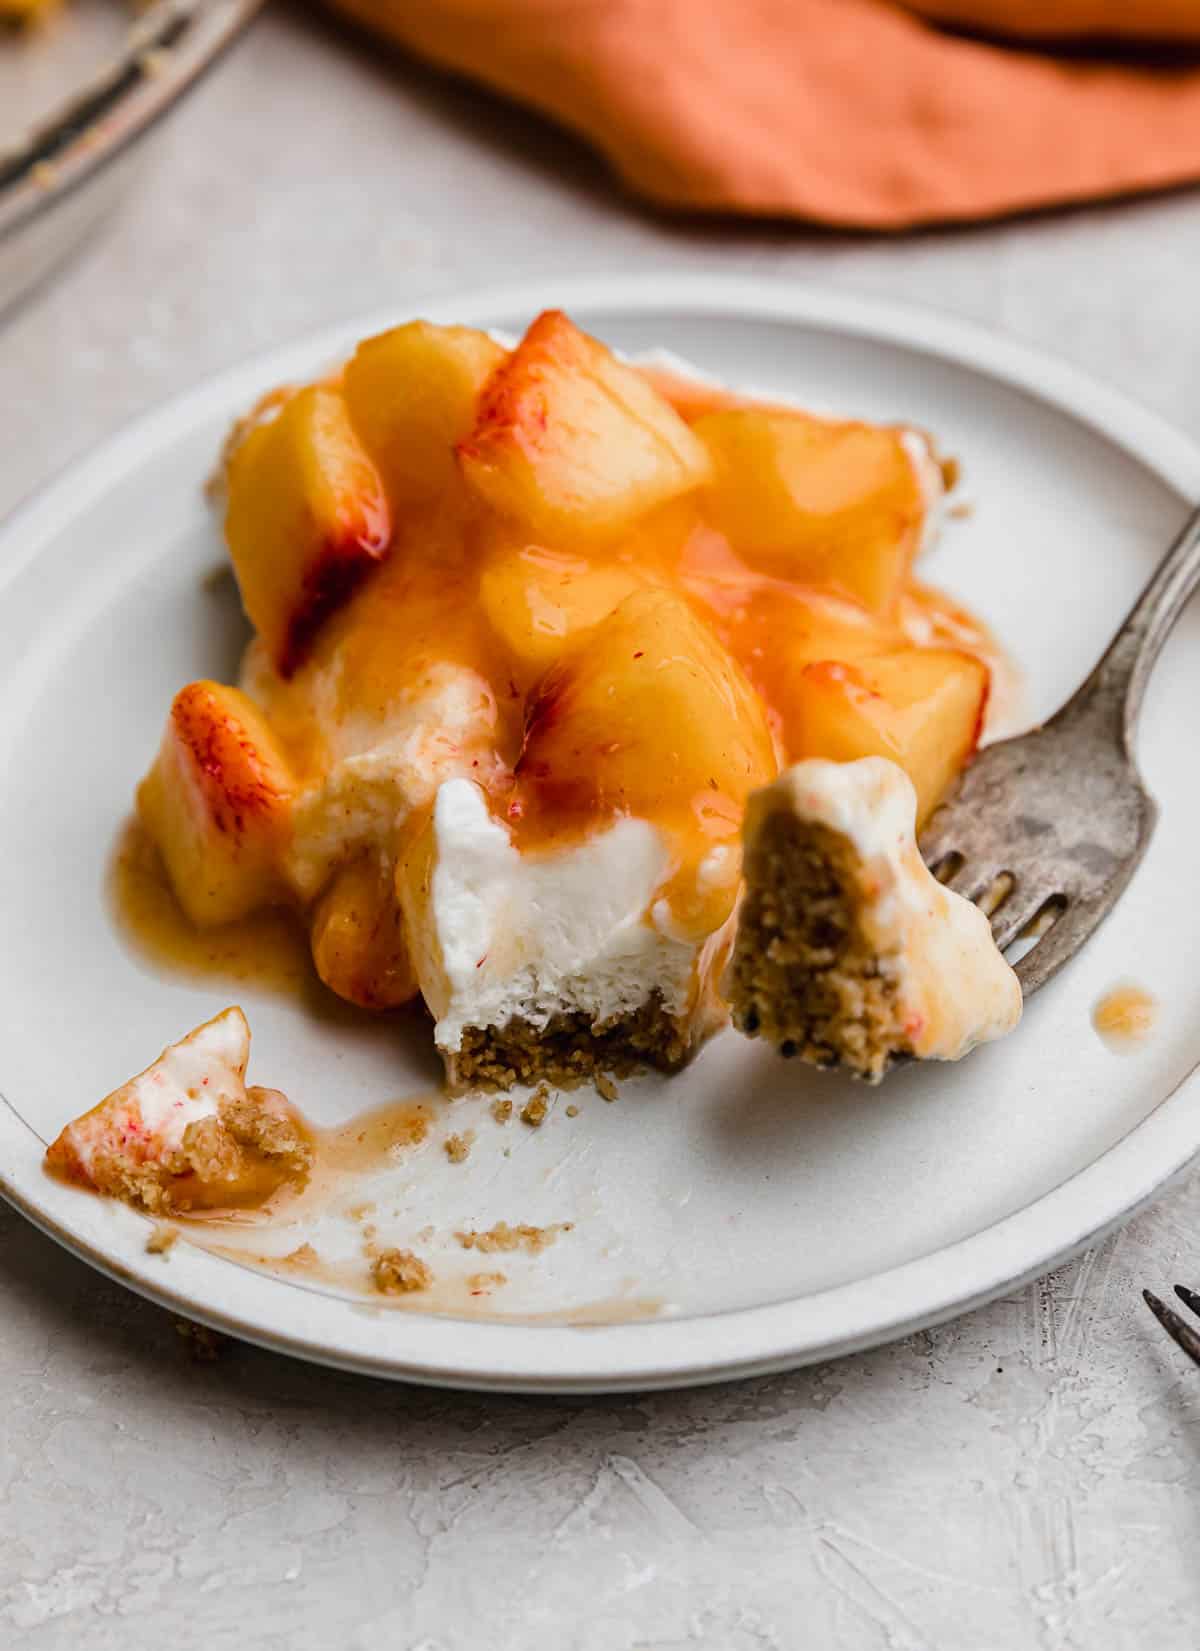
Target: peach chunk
x=649, y=706
x=538, y=601
x=777, y=629
x=217, y=803
x=815, y=500
x=412, y=394
x=358, y=941
x=572, y=443
x=921, y=707
x=306, y=519
x=691, y=397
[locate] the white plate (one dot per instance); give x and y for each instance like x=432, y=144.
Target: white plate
x=755, y=1216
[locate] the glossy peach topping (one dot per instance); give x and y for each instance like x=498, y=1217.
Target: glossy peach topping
x=646, y=595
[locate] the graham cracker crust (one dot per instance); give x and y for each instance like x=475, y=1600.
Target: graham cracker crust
x=246, y=1145
x=571, y=1050
x=803, y=975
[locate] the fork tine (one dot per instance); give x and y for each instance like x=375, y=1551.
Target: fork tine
x=977, y=882
x=1023, y=908
x=1188, y=1297
x=1019, y=905
x=1180, y=1333
x=1060, y=943
x=937, y=844
x=1016, y=913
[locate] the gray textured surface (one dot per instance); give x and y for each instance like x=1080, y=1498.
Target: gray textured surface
x=1027, y=1477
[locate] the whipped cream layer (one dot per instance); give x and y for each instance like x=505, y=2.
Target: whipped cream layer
x=381, y=764
x=955, y=990
x=498, y=935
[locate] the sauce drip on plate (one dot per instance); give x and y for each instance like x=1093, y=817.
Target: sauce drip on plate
x=1125, y=1017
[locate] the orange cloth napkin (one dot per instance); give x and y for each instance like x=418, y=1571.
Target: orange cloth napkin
x=849, y=112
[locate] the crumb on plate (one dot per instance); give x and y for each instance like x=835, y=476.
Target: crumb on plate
x=302, y=1259
x=521, y=1237
x=536, y=1107
x=162, y=1236
x=399, y=1273
x=481, y=1284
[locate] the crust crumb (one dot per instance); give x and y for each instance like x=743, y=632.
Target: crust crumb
x=521, y=1237
x=605, y=1087
x=399, y=1273
x=302, y=1259
x=805, y=973
x=458, y=1147
x=536, y=1107
x=571, y=1049
x=481, y=1284
x=204, y=1346
x=161, y=1238
x=252, y=1147
x=502, y=1110
x=413, y=1133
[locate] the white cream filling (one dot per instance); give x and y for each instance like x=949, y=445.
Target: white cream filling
x=499, y=935
x=955, y=989
x=383, y=768
x=919, y=449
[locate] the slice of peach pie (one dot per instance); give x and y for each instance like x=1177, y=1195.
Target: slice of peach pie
x=532, y=625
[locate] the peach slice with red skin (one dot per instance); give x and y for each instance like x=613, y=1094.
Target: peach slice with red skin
x=306, y=520
x=217, y=803
x=816, y=500
x=413, y=393
x=921, y=707
x=573, y=444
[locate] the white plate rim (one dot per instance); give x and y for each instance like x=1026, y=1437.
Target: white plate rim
x=289, y=1317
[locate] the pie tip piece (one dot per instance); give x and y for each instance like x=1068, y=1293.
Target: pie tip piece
x=187, y=1133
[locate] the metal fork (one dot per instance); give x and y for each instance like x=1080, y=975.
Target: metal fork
x=1044, y=831
x=1179, y=1330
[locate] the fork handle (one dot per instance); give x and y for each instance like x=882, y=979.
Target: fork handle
x=1114, y=691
